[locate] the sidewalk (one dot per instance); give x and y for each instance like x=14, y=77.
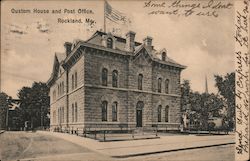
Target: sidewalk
x=123, y=149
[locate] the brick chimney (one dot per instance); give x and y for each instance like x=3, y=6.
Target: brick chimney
x=148, y=41
x=130, y=41
x=67, y=46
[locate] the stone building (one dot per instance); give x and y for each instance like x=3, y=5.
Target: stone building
x=112, y=83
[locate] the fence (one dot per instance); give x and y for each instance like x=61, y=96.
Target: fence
x=106, y=134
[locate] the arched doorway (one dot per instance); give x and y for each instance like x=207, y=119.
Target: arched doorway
x=139, y=108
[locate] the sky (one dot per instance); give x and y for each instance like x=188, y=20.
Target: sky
x=29, y=40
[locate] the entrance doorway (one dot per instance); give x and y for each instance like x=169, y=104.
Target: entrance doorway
x=139, y=108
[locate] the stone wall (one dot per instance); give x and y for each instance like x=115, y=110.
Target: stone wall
x=95, y=61
x=60, y=99
x=76, y=94
x=90, y=92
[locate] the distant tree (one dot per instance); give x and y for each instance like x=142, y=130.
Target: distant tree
x=204, y=106
x=185, y=95
x=34, y=105
x=5, y=102
x=226, y=88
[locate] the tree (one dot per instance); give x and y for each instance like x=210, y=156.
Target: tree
x=34, y=105
x=226, y=88
x=5, y=102
x=201, y=106
x=185, y=95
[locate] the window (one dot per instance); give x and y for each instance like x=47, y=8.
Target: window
x=58, y=115
x=62, y=114
x=104, y=110
x=140, y=78
x=114, y=111
x=75, y=112
x=54, y=95
x=72, y=81
x=166, y=113
x=62, y=87
x=159, y=85
x=72, y=110
x=67, y=114
x=54, y=117
x=167, y=86
x=115, y=78
x=104, y=77
x=109, y=43
x=159, y=113
x=75, y=79
x=163, y=56
x=58, y=90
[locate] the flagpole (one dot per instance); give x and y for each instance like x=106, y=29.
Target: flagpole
x=104, y=20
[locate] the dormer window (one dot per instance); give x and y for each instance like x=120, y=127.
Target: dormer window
x=163, y=56
x=109, y=43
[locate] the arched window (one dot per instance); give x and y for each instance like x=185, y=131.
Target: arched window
x=72, y=110
x=104, y=110
x=62, y=114
x=58, y=115
x=67, y=114
x=140, y=79
x=75, y=112
x=62, y=87
x=114, y=111
x=54, y=117
x=58, y=90
x=115, y=78
x=104, y=77
x=109, y=43
x=75, y=79
x=163, y=56
x=166, y=113
x=159, y=113
x=54, y=95
x=159, y=84
x=167, y=86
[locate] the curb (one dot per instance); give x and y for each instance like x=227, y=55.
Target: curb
x=146, y=153
x=172, y=150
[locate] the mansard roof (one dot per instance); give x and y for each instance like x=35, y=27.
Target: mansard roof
x=121, y=43
x=55, y=70
x=95, y=41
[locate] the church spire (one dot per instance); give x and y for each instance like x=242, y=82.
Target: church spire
x=206, y=86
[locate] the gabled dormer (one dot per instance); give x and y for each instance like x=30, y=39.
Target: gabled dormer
x=162, y=54
x=109, y=41
x=142, y=55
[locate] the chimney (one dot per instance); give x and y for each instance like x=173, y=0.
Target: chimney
x=148, y=41
x=130, y=41
x=67, y=46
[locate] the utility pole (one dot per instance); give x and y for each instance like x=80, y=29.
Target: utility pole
x=7, y=118
x=7, y=113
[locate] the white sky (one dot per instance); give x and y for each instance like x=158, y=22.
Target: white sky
x=204, y=44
